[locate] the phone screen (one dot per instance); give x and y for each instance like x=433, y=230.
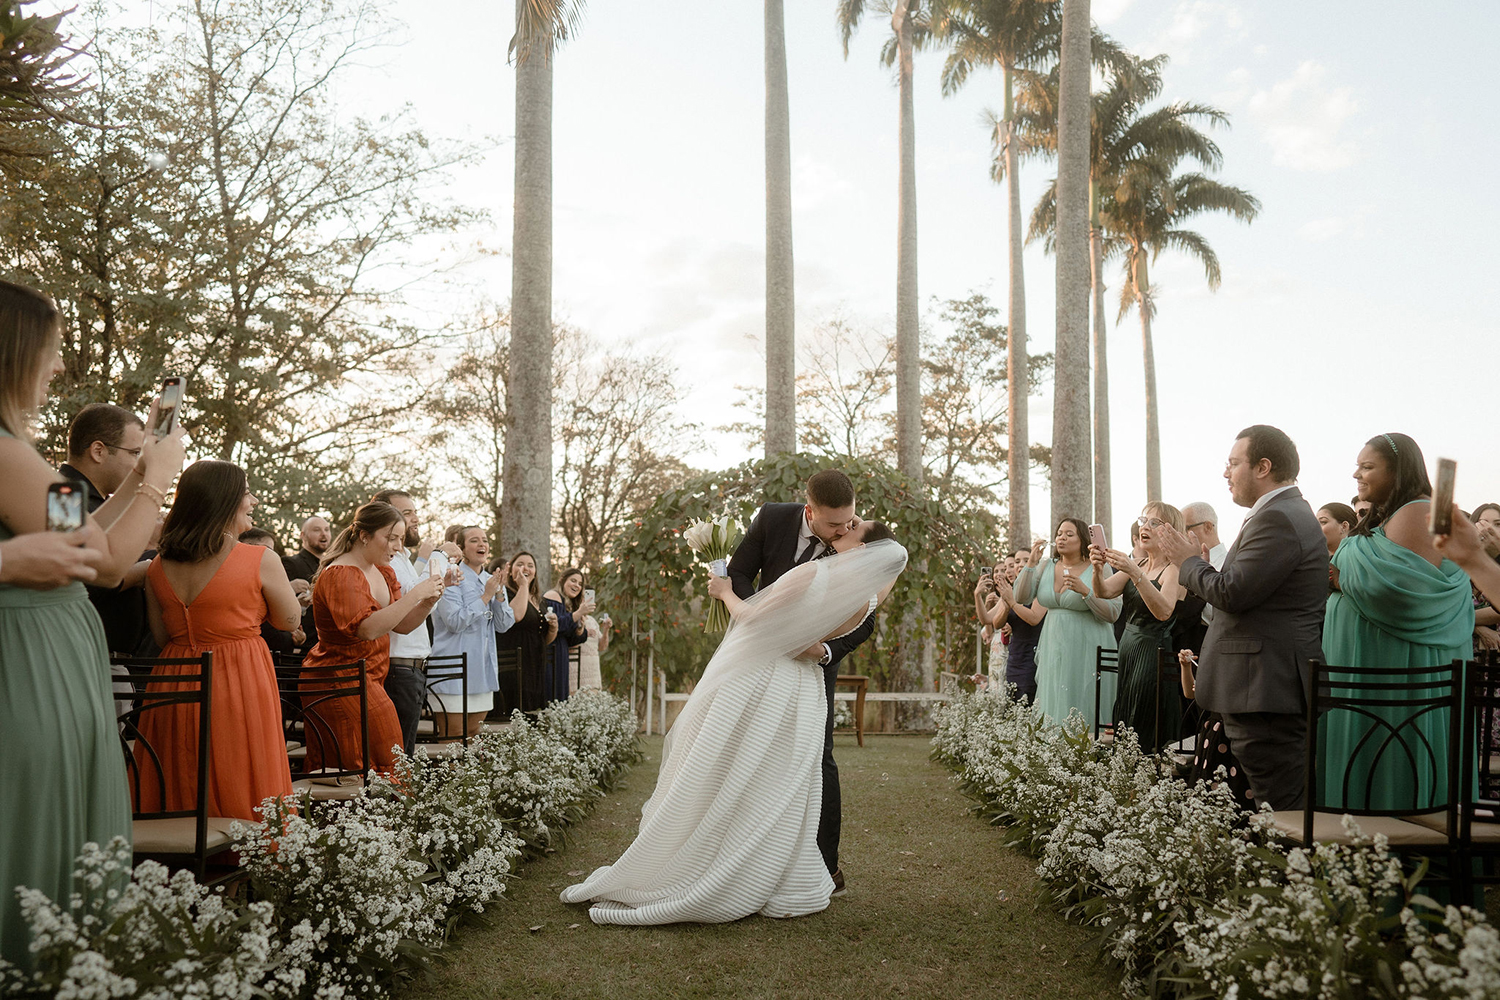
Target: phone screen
x=64, y=507
x=1441, y=522
x=171, y=402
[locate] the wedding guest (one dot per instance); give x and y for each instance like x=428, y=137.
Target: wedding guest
x=467, y=620
x=1211, y=750
x=1359, y=505
x=1078, y=623
x=1203, y=528
x=276, y=640
x=303, y=566
x=1149, y=594
x=207, y=592
x=567, y=602
x=1397, y=602
x=104, y=442
x=1336, y=520
x=590, y=674
x=1268, y=614
x=406, y=681
x=358, y=603
x=65, y=776
x=1024, y=622
x=535, y=629
x=1139, y=555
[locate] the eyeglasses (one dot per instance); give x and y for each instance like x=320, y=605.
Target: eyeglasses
x=1150, y=522
x=1196, y=524
x=133, y=452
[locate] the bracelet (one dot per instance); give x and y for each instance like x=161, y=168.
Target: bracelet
x=151, y=493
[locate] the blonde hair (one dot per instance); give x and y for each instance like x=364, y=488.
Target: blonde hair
x=1165, y=512
x=28, y=321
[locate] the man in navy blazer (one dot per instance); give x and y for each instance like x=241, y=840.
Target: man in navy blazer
x=1268, y=615
x=784, y=535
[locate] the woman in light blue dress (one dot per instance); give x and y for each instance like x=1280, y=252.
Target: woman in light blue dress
x=1079, y=623
x=465, y=621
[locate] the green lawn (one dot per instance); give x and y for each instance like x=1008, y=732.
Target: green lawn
x=935, y=908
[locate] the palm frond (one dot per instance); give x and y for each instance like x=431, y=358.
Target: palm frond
x=1043, y=224
x=848, y=16
x=1194, y=245
x=544, y=23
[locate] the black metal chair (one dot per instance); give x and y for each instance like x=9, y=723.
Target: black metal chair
x=508, y=698
x=1408, y=719
x=439, y=670
x=1106, y=661
x=185, y=837
x=311, y=701
x=1479, y=784
x=1174, y=733
x=575, y=668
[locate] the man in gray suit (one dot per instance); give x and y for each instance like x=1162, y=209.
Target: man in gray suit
x=1268, y=615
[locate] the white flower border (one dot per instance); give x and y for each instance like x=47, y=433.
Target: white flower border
x=1192, y=897
x=350, y=898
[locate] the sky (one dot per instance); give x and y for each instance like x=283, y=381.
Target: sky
x=1352, y=306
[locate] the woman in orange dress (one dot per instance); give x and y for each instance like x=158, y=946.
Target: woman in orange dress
x=357, y=604
x=208, y=592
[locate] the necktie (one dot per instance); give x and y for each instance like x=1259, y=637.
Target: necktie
x=807, y=553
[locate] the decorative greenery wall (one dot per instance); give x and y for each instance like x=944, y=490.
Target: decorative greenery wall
x=652, y=573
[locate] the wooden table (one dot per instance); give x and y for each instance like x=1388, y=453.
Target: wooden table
x=860, y=683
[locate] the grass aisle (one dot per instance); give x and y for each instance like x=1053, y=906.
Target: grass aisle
x=936, y=907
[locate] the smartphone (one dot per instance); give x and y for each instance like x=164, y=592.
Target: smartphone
x=588, y=594
x=167, y=409
x=1441, y=521
x=1096, y=536
x=64, y=507
x=986, y=571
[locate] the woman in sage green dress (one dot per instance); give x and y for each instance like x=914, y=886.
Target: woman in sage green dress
x=1078, y=623
x=1396, y=602
x=1149, y=593
x=64, y=780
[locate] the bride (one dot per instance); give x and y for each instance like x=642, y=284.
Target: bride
x=732, y=825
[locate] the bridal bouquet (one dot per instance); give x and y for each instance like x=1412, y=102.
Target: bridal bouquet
x=714, y=542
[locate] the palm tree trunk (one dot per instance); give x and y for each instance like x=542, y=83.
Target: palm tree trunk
x=908, y=336
x=1102, y=494
x=1017, y=365
x=526, y=505
x=1072, y=473
x=781, y=330
x=1153, y=426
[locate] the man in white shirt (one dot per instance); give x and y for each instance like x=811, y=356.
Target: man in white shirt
x=1203, y=528
x=406, y=682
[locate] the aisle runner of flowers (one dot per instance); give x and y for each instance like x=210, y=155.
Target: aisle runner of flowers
x=348, y=899
x=1191, y=898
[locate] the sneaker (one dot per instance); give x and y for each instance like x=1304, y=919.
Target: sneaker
x=838, y=884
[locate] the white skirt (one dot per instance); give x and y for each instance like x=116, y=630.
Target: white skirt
x=455, y=704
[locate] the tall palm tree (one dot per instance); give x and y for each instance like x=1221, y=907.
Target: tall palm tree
x=909, y=28
x=781, y=326
x=1015, y=35
x=526, y=477
x=1072, y=474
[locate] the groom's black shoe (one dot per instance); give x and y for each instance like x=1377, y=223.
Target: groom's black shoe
x=838, y=884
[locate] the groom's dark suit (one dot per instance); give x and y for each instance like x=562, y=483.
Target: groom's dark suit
x=770, y=549
x=1268, y=622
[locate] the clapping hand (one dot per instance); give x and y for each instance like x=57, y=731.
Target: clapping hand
x=1177, y=547
x=303, y=590
x=1005, y=591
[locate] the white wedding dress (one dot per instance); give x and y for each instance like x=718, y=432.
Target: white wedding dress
x=731, y=828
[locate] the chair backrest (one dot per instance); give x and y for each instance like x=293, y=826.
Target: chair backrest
x=1174, y=720
x=1106, y=661
x=310, y=698
x=508, y=662
x=1481, y=741
x=446, y=668
x=1402, y=722
x=155, y=688
x=575, y=667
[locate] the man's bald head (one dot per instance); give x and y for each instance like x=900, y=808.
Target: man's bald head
x=1202, y=523
x=317, y=534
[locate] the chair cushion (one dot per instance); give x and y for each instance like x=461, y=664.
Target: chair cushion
x=1329, y=828
x=1479, y=833
x=426, y=727
x=321, y=791
x=178, y=835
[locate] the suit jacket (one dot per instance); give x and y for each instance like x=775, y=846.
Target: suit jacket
x=769, y=550
x=1268, y=611
x=122, y=612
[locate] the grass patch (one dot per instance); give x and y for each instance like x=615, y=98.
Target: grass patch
x=936, y=907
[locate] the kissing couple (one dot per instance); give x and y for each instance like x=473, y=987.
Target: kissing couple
x=745, y=816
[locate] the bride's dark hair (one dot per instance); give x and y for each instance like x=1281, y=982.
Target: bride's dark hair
x=877, y=531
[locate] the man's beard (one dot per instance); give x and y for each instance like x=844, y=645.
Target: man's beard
x=413, y=538
x=317, y=548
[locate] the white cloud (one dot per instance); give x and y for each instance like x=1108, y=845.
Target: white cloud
x=1193, y=18
x=1301, y=117
x=1106, y=11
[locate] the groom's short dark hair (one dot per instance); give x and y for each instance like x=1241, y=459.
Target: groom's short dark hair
x=830, y=488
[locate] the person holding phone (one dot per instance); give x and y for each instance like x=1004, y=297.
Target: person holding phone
x=65, y=783
x=590, y=674
x=1396, y=602
x=568, y=603
x=468, y=618
x=534, y=631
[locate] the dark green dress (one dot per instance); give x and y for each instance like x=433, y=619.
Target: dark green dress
x=64, y=782
x=1136, y=702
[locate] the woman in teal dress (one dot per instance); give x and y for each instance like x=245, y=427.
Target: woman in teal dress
x=64, y=767
x=1149, y=593
x=1078, y=623
x=1396, y=602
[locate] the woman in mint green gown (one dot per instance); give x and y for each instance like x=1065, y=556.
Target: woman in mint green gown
x=64, y=768
x=1396, y=603
x=1078, y=622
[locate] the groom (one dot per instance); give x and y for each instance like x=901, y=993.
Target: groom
x=784, y=535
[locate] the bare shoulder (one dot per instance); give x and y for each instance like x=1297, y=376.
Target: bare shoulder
x=1408, y=527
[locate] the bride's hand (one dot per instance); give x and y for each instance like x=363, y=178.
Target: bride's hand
x=719, y=587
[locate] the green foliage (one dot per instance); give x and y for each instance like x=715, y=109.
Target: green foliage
x=653, y=574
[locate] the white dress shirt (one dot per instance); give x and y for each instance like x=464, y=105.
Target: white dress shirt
x=415, y=645
x=1216, y=560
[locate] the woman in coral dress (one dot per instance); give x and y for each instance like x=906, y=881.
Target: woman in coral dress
x=357, y=604
x=208, y=592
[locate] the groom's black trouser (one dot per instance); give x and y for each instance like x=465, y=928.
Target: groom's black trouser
x=831, y=818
